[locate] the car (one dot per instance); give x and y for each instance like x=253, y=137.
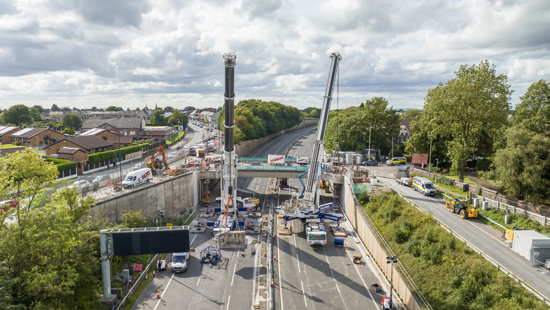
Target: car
x=79, y=183
x=179, y=148
x=101, y=178
x=179, y=261
x=137, y=167
x=396, y=161
x=6, y=204
x=370, y=162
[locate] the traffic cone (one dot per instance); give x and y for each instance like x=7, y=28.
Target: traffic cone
x=265, y=235
x=158, y=294
x=145, y=277
x=273, y=236
x=154, y=273
x=265, y=254
x=272, y=284
x=274, y=257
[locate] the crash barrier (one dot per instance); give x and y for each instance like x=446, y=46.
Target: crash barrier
x=538, y=213
x=379, y=250
x=141, y=277
x=478, y=251
x=232, y=239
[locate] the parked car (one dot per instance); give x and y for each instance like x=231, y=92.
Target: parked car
x=79, y=184
x=101, y=178
x=88, y=178
x=370, y=162
x=7, y=204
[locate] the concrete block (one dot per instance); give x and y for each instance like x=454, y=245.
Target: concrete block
x=485, y=206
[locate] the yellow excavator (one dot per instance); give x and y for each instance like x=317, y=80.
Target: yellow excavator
x=462, y=208
x=153, y=164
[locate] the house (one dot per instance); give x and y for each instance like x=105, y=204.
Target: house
x=73, y=154
x=5, y=132
x=87, y=144
x=156, y=132
x=404, y=131
x=36, y=137
x=123, y=126
x=109, y=136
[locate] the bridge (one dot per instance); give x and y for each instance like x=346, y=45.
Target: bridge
x=266, y=171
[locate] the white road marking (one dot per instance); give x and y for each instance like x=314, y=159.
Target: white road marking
x=295, y=241
x=335, y=282
x=303, y=292
x=228, y=300
x=361, y=277
x=233, y=278
x=199, y=281
x=297, y=259
x=193, y=239
x=164, y=291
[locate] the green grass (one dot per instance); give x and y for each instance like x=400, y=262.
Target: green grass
x=174, y=138
x=10, y=146
x=448, y=273
x=520, y=220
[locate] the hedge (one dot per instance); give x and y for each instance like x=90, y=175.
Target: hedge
x=102, y=156
x=62, y=164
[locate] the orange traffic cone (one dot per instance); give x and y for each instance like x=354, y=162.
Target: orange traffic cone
x=274, y=257
x=273, y=236
x=145, y=277
x=154, y=273
x=272, y=284
x=158, y=294
x=265, y=254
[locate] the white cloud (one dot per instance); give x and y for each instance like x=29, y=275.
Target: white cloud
x=168, y=52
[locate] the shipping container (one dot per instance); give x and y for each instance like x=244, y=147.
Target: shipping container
x=525, y=240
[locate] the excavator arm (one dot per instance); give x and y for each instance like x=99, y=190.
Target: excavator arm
x=159, y=151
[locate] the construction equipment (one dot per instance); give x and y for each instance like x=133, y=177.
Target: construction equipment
x=462, y=208
x=210, y=255
x=154, y=163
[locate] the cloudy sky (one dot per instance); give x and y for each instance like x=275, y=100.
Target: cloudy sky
x=129, y=53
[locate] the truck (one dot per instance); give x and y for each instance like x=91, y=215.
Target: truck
x=137, y=177
x=404, y=181
x=302, y=161
x=201, y=153
x=192, y=162
x=316, y=233
x=276, y=160
x=211, y=146
x=179, y=261
x=224, y=223
x=462, y=208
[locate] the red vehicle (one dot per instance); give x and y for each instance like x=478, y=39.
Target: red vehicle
x=6, y=204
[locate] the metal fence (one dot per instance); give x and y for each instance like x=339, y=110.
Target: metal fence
x=493, y=204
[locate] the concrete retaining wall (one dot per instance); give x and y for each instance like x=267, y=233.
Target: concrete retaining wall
x=247, y=147
x=362, y=226
x=177, y=196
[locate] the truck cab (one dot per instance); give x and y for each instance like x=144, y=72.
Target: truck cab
x=316, y=232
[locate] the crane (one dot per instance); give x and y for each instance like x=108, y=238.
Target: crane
x=152, y=164
x=305, y=206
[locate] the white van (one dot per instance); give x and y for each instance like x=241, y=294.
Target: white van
x=137, y=177
x=424, y=186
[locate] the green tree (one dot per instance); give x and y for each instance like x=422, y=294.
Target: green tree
x=178, y=116
x=18, y=115
x=351, y=126
x=94, y=109
x=533, y=112
x=35, y=114
x=113, y=109
x=55, y=108
x=66, y=109
x=469, y=109
x=158, y=117
x=411, y=114
x=168, y=108
x=67, y=131
x=524, y=164
x=39, y=108
x=71, y=120
x=189, y=108
x=315, y=113
x=133, y=219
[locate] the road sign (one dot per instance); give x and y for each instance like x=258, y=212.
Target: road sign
x=138, y=267
x=169, y=224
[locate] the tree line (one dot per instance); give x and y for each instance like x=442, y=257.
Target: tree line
x=257, y=119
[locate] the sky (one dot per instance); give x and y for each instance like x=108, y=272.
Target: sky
x=132, y=53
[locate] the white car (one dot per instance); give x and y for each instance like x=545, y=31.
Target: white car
x=137, y=167
x=79, y=184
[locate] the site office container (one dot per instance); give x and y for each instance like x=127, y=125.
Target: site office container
x=525, y=240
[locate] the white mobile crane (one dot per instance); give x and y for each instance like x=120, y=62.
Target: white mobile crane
x=306, y=205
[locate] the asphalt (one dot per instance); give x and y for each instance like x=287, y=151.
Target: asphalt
x=484, y=237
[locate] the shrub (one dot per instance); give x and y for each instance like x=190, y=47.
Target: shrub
x=483, y=164
x=62, y=164
x=103, y=156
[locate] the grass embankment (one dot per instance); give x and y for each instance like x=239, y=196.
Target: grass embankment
x=449, y=274
x=175, y=138
x=520, y=220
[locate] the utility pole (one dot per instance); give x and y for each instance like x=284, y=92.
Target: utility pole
x=391, y=260
x=369, y=142
x=392, y=147
x=430, y=161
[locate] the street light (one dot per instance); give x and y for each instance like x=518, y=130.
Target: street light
x=391, y=260
x=369, y=142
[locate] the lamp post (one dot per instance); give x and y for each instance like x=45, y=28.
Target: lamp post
x=369, y=142
x=430, y=161
x=119, y=155
x=391, y=260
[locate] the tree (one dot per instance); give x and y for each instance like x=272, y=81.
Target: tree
x=524, y=164
x=133, y=219
x=158, y=117
x=71, y=120
x=411, y=114
x=39, y=108
x=533, y=112
x=351, y=126
x=35, y=114
x=94, y=109
x=52, y=260
x=169, y=109
x=66, y=109
x=178, y=116
x=55, y=108
x=469, y=109
x=113, y=109
x=189, y=108
x=315, y=113
x=18, y=115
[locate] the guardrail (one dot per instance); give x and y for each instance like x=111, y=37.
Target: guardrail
x=273, y=168
x=138, y=281
x=480, y=252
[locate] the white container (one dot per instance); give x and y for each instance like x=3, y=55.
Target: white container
x=485, y=206
x=476, y=203
x=525, y=239
x=349, y=159
x=374, y=182
x=358, y=159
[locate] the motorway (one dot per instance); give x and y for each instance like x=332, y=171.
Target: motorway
x=483, y=236
x=312, y=278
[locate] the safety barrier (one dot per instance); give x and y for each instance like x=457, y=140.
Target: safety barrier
x=482, y=254
x=273, y=168
x=138, y=281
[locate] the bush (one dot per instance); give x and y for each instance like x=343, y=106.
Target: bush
x=483, y=165
x=103, y=156
x=62, y=164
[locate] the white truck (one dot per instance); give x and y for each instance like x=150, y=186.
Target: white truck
x=302, y=161
x=316, y=233
x=276, y=160
x=404, y=181
x=179, y=261
x=137, y=177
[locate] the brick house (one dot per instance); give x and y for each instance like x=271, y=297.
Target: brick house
x=73, y=154
x=36, y=137
x=155, y=132
x=87, y=144
x=5, y=132
x=128, y=127
x=109, y=136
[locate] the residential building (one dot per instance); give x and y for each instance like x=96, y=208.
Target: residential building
x=404, y=131
x=73, y=154
x=5, y=132
x=123, y=126
x=156, y=132
x=109, y=136
x=87, y=144
x=36, y=137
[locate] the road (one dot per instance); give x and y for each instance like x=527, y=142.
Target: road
x=483, y=236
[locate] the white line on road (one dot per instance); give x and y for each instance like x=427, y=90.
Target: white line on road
x=199, y=281
x=228, y=300
x=335, y=282
x=280, y=273
x=298, y=260
x=164, y=291
x=294, y=240
x=193, y=239
x=233, y=278
x=303, y=292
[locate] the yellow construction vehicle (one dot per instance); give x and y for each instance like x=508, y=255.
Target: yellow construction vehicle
x=153, y=164
x=462, y=208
